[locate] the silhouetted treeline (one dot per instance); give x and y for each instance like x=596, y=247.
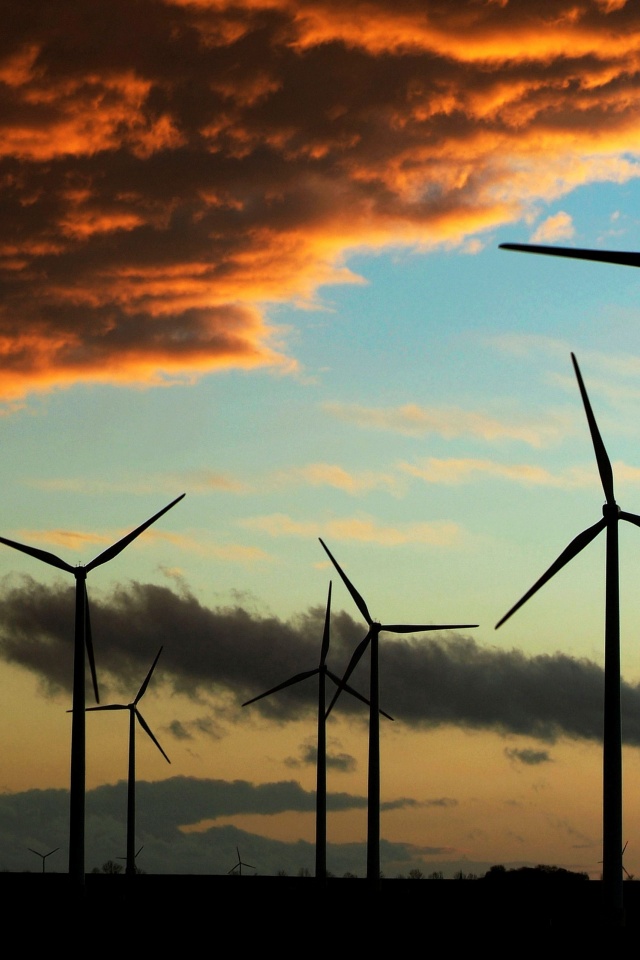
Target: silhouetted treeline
x=541, y=872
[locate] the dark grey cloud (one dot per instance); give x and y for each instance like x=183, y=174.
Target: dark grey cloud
x=224, y=656
x=38, y=819
x=531, y=758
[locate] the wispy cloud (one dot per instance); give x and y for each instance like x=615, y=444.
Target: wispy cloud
x=414, y=420
x=333, y=475
x=362, y=528
x=558, y=227
x=452, y=471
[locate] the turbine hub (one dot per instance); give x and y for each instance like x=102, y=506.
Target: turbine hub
x=611, y=511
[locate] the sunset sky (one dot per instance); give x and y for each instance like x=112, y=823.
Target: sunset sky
x=250, y=252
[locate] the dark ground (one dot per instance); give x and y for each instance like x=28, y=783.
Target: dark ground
x=254, y=905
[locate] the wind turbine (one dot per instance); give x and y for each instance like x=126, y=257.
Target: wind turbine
x=239, y=865
x=322, y=672
x=134, y=714
x=82, y=640
x=43, y=855
x=139, y=850
x=371, y=639
x=612, y=874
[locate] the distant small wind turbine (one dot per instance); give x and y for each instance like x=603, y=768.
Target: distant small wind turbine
x=322, y=672
x=612, y=736
x=139, y=850
x=371, y=639
x=134, y=714
x=43, y=855
x=239, y=865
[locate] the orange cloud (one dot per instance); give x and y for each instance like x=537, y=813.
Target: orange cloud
x=165, y=180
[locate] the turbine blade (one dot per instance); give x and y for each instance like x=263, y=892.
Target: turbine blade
x=419, y=627
x=602, y=458
x=147, y=729
x=357, y=654
x=631, y=517
x=574, y=548
x=43, y=555
x=119, y=546
x=325, y=636
x=354, y=693
x=623, y=257
x=361, y=605
x=281, y=686
x=88, y=639
x=107, y=706
x=145, y=684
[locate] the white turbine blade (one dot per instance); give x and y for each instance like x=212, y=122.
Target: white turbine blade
x=147, y=729
x=574, y=548
x=361, y=605
x=623, y=257
x=119, y=546
x=43, y=555
x=602, y=458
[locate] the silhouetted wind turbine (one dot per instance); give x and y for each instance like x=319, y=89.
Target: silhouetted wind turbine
x=43, y=855
x=612, y=735
x=134, y=714
x=322, y=672
x=82, y=640
x=623, y=257
x=240, y=864
x=139, y=850
x=371, y=639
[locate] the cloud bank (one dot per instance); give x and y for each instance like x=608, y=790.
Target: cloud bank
x=170, y=169
x=232, y=655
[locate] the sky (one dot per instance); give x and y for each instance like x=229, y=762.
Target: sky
x=250, y=252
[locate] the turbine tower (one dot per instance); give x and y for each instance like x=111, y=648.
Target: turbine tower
x=134, y=714
x=82, y=641
x=612, y=874
x=322, y=672
x=371, y=640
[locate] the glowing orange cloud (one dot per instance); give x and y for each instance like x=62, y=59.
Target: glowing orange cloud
x=164, y=181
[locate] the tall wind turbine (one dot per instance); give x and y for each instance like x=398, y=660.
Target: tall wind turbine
x=82, y=640
x=612, y=874
x=371, y=639
x=322, y=672
x=134, y=714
